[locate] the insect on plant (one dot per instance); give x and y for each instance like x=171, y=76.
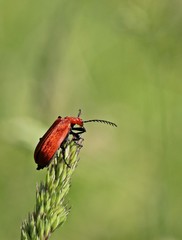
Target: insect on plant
x=57, y=135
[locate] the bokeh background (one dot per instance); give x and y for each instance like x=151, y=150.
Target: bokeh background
x=116, y=60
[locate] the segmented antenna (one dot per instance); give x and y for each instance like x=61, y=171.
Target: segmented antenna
x=101, y=121
x=79, y=112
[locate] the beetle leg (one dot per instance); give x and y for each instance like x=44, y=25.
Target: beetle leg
x=63, y=148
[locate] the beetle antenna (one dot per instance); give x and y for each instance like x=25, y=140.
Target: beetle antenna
x=101, y=121
x=79, y=112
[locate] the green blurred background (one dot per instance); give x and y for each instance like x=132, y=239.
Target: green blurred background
x=116, y=60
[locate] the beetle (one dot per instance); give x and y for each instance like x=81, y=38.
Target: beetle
x=57, y=135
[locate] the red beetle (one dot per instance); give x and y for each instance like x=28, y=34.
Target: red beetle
x=57, y=135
